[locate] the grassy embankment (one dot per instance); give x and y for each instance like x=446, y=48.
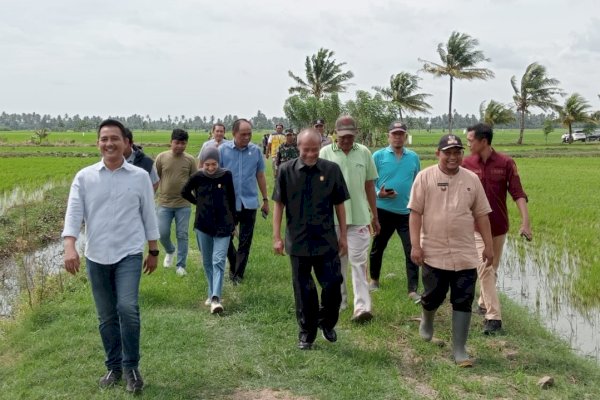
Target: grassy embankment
x=53, y=351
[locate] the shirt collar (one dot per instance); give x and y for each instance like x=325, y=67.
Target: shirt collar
x=492, y=157
x=231, y=145
x=335, y=147
x=300, y=165
x=131, y=157
x=125, y=165
x=391, y=150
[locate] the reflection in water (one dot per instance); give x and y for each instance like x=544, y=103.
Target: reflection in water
x=541, y=278
x=17, y=275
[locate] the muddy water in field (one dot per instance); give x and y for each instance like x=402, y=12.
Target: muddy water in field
x=540, y=278
x=19, y=273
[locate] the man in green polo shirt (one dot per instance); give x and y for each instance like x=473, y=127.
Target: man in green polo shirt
x=359, y=172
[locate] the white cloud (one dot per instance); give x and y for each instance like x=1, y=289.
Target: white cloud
x=232, y=57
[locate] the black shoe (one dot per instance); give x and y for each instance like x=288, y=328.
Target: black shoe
x=110, y=379
x=491, y=326
x=329, y=334
x=236, y=280
x=302, y=345
x=135, y=383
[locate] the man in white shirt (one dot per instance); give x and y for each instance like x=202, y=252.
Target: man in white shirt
x=115, y=200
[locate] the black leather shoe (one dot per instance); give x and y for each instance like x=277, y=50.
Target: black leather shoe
x=110, y=379
x=329, y=334
x=492, y=326
x=302, y=345
x=135, y=383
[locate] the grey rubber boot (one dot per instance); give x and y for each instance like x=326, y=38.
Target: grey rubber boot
x=460, y=332
x=426, y=325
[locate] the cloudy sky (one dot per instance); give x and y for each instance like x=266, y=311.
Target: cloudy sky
x=222, y=57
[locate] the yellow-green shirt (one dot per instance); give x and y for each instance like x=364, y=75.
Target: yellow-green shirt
x=276, y=140
x=174, y=172
x=357, y=167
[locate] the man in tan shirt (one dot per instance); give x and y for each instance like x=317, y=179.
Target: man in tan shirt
x=174, y=168
x=446, y=201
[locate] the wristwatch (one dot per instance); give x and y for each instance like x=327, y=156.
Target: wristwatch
x=154, y=253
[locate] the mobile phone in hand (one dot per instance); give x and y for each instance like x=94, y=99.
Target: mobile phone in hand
x=526, y=237
x=388, y=190
x=264, y=214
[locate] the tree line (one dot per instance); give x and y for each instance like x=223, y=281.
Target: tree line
x=460, y=58
x=77, y=123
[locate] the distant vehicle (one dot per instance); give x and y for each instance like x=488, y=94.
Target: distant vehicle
x=593, y=136
x=577, y=136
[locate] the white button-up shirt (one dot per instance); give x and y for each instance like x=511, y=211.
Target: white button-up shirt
x=117, y=208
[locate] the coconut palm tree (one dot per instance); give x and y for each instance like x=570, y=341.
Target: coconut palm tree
x=459, y=61
x=495, y=113
x=536, y=90
x=402, y=94
x=323, y=75
x=574, y=110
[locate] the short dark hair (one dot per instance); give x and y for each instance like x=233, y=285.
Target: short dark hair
x=217, y=124
x=482, y=131
x=278, y=125
x=113, y=122
x=180, y=134
x=129, y=134
x=236, y=124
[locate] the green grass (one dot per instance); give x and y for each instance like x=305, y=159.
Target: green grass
x=54, y=351
x=32, y=172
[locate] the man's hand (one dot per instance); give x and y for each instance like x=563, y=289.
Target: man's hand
x=278, y=246
x=150, y=264
x=383, y=194
x=71, y=260
x=525, y=231
x=488, y=255
x=375, y=225
x=342, y=245
x=265, y=207
x=416, y=255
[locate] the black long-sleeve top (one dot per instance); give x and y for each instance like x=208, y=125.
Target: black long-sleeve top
x=215, y=203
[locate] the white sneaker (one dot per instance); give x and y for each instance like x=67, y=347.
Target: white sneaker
x=207, y=302
x=216, y=307
x=168, y=261
x=181, y=271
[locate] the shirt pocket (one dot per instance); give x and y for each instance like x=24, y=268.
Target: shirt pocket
x=465, y=199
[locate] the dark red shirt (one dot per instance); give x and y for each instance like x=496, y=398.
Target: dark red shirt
x=498, y=176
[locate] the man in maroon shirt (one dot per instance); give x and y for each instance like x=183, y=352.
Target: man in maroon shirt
x=498, y=174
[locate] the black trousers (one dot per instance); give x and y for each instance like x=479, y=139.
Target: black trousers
x=309, y=313
x=389, y=223
x=437, y=281
x=238, y=259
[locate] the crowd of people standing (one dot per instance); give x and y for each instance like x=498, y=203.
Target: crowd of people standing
x=342, y=205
